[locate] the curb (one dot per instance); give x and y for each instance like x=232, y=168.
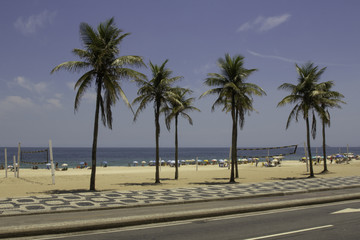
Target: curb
x=96, y=224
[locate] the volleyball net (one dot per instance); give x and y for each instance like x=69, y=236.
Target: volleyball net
x=35, y=157
x=267, y=151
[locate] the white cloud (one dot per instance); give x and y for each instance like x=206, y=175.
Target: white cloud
x=272, y=22
x=262, y=24
x=53, y=102
x=22, y=82
x=244, y=27
x=40, y=87
x=34, y=22
x=11, y=102
x=284, y=59
x=33, y=87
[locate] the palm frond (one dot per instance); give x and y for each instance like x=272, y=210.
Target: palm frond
x=82, y=85
x=133, y=61
x=72, y=66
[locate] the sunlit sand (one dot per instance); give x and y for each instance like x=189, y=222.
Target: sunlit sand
x=37, y=182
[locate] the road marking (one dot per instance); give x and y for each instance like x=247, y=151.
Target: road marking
x=347, y=210
x=190, y=221
x=292, y=232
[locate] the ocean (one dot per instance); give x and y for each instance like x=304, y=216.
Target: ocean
x=126, y=156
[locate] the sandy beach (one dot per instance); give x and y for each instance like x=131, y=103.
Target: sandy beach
x=38, y=182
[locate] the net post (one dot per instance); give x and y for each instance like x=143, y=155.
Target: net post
x=6, y=165
x=52, y=163
x=18, y=167
x=197, y=163
x=14, y=166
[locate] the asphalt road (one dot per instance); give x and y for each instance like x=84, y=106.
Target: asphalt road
x=326, y=221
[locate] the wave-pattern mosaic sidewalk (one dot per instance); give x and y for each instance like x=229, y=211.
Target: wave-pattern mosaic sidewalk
x=111, y=199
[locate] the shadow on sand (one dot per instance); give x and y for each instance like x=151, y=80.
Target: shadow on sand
x=217, y=181
x=151, y=182
x=71, y=191
x=288, y=178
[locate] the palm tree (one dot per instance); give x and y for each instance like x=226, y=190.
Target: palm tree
x=234, y=94
x=177, y=108
x=100, y=59
x=243, y=105
x=329, y=99
x=159, y=91
x=306, y=96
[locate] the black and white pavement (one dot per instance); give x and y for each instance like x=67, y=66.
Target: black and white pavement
x=118, y=199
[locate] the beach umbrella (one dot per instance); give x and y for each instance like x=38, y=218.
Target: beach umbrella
x=339, y=156
x=63, y=165
x=135, y=161
x=82, y=163
x=48, y=164
x=143, y=162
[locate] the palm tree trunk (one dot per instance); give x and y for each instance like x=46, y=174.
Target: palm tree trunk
x=236, y=161
x=157, y=135
x=324, y=148
x=309, y=148
x=176, y=149
x=233, y=142
x=95, y=136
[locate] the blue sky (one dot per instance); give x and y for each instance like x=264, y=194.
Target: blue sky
x=37, y=35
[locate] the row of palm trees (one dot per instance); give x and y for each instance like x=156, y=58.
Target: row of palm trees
x=103, y=65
